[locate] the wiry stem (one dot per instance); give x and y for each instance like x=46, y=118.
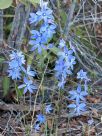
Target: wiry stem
x=69, y=18
x=1, y=27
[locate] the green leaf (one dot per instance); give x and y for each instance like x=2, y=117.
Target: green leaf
x=31, y=1
x=6, y=85
x=35, y=1
x=63, y=17
x=5, y=4
x=19, y=93
x=41, y=58
x=1, y=60
x=55, y=50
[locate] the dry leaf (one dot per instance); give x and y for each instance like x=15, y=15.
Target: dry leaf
x=50, y=123
x=92, y=99
x=95, y=112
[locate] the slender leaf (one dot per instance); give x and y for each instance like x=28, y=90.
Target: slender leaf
x=6, y=85
x=1, y=60
x=5, y=4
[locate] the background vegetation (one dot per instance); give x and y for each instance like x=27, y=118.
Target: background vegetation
x=81, y=21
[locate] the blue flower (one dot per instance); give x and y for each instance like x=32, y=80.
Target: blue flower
x=37, y=45
x=48, y=109
x=71, y=61
x=38, y=41
x=49, y=46
x=18, y=56
x=77, y=108
x=16, y=64
x=61, y=69
x=14, y=73
x=61, y=83
x=78, y=94
x=41, y=119
x=48, y=30
x=44, y=14
x=28, y=86
x=90, y=121
x=33, y=18
x=35, y=35
x=62, y=43
x=37, y=127
x=65, y=53
x=64, y=64
x=29, y=72
x=82, y=75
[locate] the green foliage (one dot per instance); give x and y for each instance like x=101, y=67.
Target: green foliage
x=19, y=93
x=35, y=1
x=6, y=85
x=5, y=4
x=31, y=1
x=63, y=17
x=1, y=59
x=41, y=65
x=55, y=50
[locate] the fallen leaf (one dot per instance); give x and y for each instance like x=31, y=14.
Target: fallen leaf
x=95, y=112
x=50, y=123
x=92, y=99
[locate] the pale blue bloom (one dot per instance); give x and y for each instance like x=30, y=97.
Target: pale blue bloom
x=28, y=85
x=35, y=34
x=33, y=18
x=48, y=30
x=82, y=75
x=16, y=64
x=49, y=46
x=44, y=14
x=37, y=45
x=77, y=108
x=71, y=61
x=29, y=72
x=14, y=73
x=65, y=53
x=90, y=121
x=41, y=118
x=78, y=94
x=38, y=37
x=37, y=127
x=62, y=43
x=38, y=41
x=18, y=56
x=62, y=71
x=64, y=64
x=61, y=83
x=62, y=68
x=48, y=109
